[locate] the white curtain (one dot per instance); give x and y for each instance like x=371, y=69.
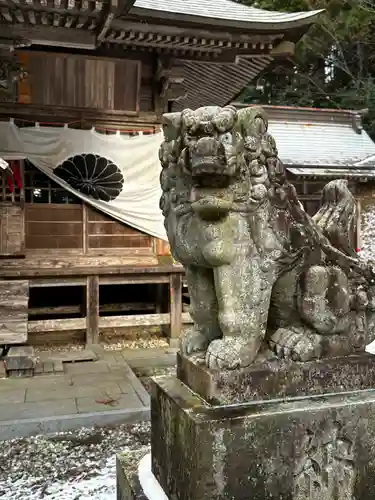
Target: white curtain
x=136, y=204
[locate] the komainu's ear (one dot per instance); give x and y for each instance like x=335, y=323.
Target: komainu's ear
x=171, y=123
x=252, y=121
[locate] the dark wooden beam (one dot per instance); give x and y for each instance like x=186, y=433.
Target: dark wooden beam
x=83, y=116
x=92, y=310
x=113, y=9
x=52, y=36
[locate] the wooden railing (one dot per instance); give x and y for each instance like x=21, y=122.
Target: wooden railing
x=92, y=278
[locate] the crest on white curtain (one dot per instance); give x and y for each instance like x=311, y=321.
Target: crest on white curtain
x=92, y=175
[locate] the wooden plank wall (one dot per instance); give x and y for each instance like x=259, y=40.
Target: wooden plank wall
x=81, y=229
x=104, y=232
x=146, y=95
x=81, y=81
x=14, y=301
x=11, y=229
x=50, y=226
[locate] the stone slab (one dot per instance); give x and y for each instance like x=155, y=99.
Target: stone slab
x=86, y=367
x=108, y=402
x=52, y=402
x=74, y=391
x=127, y=481
x=12, y=396
x=315, y=448
x=69, y=356
x=27, y=427
x=36, y=409
x=277, y=378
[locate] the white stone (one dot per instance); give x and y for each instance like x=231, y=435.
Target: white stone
x=371, y=348
x=150, y=485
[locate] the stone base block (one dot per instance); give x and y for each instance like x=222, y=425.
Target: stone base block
x=128, y=486
x=274, y=378
x=20, y=361
x=303, y=448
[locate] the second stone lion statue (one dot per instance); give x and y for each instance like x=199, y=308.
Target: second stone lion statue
x=262, y=275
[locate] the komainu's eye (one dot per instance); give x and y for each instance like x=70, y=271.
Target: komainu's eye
x=226, y=138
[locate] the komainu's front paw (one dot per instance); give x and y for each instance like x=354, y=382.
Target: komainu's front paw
x=296, y=344
x=194, y=342
x=229, y=353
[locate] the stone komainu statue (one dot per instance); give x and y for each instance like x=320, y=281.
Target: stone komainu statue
x=262, y=275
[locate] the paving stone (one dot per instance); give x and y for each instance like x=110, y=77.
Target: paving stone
x=129, y=377
x=125, y=386
x=127, y=401
x=151, y=354
x=58, y=366
x=98, y=379
x=50, y=381
x=75, y=391
x=69, y=356
x=38, y=369
x=86, y=367
x=3, y=371
x=12, y=396
x=48, y=367
x=7, y=384
x=38, y=410
x=165, y=359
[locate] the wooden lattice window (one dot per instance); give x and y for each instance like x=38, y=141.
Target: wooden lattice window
x=39, y=188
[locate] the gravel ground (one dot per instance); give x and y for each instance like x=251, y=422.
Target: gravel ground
x=70, y=466
x=368, y=232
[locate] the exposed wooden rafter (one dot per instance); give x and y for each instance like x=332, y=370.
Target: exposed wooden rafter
x=52, y=36
x=114, y=9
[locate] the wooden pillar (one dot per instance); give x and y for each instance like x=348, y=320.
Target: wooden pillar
x=92, y=310
x=175, y=297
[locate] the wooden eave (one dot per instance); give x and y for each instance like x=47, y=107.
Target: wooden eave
x=90, y=23
x=222, y=57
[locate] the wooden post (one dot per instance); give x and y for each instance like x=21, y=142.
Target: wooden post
x=175, y=296
x=92, y=308
x=159, y=298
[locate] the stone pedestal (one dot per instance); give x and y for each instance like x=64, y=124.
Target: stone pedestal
x=295, y=446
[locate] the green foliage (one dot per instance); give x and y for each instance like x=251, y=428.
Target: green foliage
x=334, y=64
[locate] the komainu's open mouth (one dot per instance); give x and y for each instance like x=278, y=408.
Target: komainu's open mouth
x=210, y=181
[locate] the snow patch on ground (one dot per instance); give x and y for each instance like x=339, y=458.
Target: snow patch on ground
x=71, y=466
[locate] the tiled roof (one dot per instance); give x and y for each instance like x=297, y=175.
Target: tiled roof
x=320, y=144
x=215, y=84
x=224, y=10
x=333, y=172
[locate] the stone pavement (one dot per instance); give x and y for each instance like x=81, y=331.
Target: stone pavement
x=85, y=394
